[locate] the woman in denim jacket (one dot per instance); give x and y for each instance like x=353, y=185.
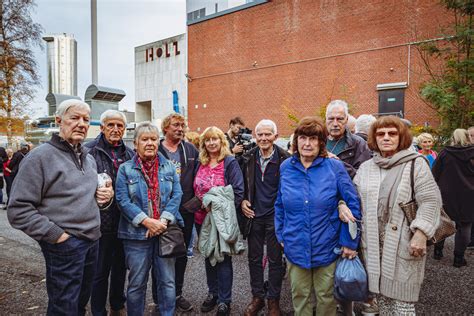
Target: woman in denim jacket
x=148, y=194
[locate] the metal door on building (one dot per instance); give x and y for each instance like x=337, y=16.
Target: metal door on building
x=392, y=102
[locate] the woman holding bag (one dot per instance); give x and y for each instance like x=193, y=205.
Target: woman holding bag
x=395, y=252
x=148, y=194
x=306, y=217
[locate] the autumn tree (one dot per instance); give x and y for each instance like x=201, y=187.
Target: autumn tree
x=450, y=65
x=18, y=68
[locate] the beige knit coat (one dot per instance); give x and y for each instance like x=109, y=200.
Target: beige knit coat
x=397, y=275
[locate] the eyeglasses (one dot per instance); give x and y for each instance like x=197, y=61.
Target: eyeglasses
x=118, y=126
x=176, y=125
x=390, y=134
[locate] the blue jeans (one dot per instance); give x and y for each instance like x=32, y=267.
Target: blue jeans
x=220, y=277
x=140, y=255
x=111, y=263
x=70, y=268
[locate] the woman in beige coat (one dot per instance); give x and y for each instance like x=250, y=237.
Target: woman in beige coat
x=395, y=253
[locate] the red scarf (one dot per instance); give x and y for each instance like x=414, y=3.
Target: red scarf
x=150, y=173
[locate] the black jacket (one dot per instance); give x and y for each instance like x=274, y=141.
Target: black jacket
x=354, y=153
x=100, y=149
x=453, y=170
x=247, y=164
x=189, y=165
x=16, y=160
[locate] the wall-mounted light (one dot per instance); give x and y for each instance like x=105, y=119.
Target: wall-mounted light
x=204, y=105
x=196, y=106
x=255, y=64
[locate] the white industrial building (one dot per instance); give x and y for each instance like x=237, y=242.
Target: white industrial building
x=61, y=64
x=160, y=79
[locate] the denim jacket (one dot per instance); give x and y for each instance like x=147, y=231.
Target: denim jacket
x=132, y=197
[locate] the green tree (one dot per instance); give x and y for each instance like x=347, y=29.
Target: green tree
x=18, y=69
x=450, y=65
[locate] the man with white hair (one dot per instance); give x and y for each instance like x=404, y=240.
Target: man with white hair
x=261, y=170
x=362, y=125
x=350, y=148
x=109, y=152
x=54, y=200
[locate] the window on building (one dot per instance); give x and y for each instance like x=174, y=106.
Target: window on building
x=392, y=99
x=197, y=14
x=216, y=8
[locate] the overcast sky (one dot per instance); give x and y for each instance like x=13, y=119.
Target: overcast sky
x=122, y=25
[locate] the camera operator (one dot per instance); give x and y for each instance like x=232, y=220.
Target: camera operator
x=232, y=134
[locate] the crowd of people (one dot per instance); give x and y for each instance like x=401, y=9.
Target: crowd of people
x=301, y=204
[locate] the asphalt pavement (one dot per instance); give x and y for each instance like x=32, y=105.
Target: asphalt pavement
x=446, y=290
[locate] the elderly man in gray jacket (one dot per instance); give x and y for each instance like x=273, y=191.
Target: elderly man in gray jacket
x=54, y=200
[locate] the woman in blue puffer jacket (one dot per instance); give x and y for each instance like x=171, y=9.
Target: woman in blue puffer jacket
x=306, y=217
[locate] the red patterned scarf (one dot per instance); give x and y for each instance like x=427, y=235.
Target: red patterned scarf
x=150, y=173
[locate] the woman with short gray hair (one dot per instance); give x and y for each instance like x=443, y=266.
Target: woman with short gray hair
x=149, y=194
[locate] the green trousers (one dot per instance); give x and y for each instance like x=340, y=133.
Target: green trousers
x=302, y=283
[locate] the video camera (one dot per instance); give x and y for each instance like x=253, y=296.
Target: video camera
x=244, y=138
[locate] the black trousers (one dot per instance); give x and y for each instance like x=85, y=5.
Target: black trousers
x=181, y=262
x=263, y=230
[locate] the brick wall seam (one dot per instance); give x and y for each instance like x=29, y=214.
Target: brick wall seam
x=321, y=58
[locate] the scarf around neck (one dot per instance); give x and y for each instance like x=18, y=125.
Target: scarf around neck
x=150, y=173
x=389, y=185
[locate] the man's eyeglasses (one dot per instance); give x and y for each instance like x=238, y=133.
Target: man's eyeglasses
x=176, y=125
x=111, y=126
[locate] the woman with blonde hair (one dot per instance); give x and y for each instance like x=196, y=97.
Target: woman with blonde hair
x=426, y=141
x=454, y=173
x=218, y=168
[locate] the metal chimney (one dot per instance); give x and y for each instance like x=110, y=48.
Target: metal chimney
x=95, y=76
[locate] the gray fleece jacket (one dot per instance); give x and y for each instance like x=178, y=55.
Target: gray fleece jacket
x=54, y=192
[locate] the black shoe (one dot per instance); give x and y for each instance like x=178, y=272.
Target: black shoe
x=209, y=303
x=183, y=304
x=223, y=309
x=459, y=262
x=438, y=254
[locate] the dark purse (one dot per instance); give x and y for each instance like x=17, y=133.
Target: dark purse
x=446, y=226
x=171, y=242
x=193, y=205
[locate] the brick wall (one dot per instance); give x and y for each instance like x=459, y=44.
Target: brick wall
x=295, y=56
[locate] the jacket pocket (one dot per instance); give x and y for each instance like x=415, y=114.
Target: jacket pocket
x=404, y=244
x=132, y=185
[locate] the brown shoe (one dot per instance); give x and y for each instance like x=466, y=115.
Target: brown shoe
x=255, y=306
x=120, y=312
x=273, y=307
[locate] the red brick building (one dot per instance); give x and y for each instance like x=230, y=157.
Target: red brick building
x=292, y=57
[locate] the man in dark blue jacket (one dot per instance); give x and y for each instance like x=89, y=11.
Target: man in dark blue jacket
x=261, y=170
x=185, y=157
x=109, y=152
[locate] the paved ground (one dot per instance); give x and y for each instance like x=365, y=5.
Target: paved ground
x=446, y=290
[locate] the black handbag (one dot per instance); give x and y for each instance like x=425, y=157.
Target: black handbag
x=171, y=242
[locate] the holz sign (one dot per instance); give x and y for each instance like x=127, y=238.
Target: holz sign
x=151, y=53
